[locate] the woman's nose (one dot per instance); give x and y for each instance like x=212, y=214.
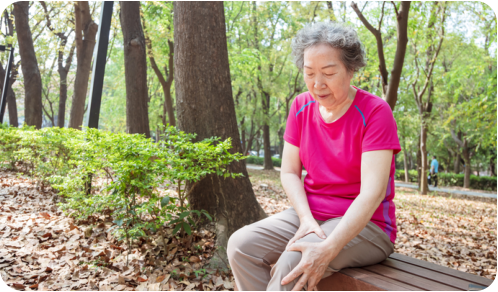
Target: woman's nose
x=319, y=84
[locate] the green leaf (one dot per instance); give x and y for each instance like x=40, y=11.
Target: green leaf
x=186, y=227
x=164, y=201
x=177, y=228
x=119, y=222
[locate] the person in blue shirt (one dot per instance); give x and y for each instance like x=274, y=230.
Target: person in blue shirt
x=434, y=167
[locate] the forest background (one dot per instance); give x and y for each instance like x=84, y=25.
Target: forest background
x=446, y=98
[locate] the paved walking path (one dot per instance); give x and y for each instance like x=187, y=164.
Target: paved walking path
x=412, y=186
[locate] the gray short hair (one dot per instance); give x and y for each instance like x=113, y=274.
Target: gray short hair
x=336, y=35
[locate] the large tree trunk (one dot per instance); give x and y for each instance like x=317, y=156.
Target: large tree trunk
x=492, y=163
x=29, y=66
x=205, y=106
x=137, y=110
x=11, y=98
x=85, y=30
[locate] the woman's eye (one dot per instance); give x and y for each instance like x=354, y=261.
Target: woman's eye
x=328, y=75
x=309, y=74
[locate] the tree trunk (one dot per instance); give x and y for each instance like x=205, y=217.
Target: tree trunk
x=390, y=89
x=29, y=66
x=268, y=164
x=11, y=98
x=165, y=83
x=419, y=163
x=492, y=163
x=206, y=107
x=405, y=162
x=85, y=30
x=137, y=110
x=424, y=187
x=456, y=163
x=466, y=177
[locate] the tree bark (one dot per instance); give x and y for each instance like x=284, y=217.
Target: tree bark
x=86, y=30
x=405, y=161
x=29, y=66
x=137, y=109
x=206, y=107
x=424, y=187
x=11, y=97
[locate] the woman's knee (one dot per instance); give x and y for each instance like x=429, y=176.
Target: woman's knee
x=241, y=241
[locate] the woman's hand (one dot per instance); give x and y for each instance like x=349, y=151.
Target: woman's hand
x=316, y=257
x=306, y=227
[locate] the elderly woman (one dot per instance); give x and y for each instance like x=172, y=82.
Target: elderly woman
x=343, y=216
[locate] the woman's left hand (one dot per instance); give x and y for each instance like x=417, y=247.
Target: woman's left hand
x=314, y=261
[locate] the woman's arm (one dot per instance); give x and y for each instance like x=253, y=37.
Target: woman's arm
x=375, y=168
x=290, y=176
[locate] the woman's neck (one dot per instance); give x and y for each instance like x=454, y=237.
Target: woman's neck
x=333, y=113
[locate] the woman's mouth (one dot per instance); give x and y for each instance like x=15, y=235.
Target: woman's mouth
x=322, y=96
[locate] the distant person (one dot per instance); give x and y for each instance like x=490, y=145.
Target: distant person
x=434, y=169
x=343, y=215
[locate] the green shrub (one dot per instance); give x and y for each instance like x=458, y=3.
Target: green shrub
x=261, y=160
x=454, y=179
x=127, y=172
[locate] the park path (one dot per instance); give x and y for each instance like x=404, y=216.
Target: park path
x=413, y=186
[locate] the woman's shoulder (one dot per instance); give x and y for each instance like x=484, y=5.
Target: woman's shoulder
x=371, y=103
x=303, y=98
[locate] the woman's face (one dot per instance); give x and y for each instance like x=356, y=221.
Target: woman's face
x=325, y=75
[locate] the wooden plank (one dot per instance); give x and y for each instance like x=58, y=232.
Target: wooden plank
x=343, y=282
x=428, y=274
x=398, y=285
x=381, y=282
x=408, y=278
x=445, y=270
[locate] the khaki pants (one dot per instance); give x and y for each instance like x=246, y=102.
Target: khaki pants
x=253, y=248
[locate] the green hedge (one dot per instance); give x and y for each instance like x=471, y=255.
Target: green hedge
x=129, y=170
x=260, y=160
x=453, y=179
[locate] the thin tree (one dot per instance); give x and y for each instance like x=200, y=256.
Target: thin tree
x=425, y=106
x=85, y=32
x=205, y=106
x=167, y=82
x=11, y=96
x=390, y=85
x=61, y=68
x=137, y=109
x=29, y=66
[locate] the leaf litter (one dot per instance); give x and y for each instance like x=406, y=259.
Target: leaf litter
x=41, y=249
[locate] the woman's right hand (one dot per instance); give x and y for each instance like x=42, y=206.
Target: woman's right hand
x=306, y=227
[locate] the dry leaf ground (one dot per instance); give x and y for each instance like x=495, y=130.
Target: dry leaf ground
x=41, y=249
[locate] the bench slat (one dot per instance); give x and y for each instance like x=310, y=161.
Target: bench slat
x=444, y=270
x=383, y=282
x=409, y=278
x=450, y=280
x=342, y=282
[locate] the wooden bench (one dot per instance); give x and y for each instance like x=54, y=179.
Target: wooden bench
x=401, y=273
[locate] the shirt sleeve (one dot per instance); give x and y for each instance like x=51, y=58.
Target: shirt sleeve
x=381, y=131
x=292, y=130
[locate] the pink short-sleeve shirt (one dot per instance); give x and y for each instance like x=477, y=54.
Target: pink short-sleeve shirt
x=331, y=154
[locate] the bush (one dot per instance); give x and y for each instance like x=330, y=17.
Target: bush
x=126, y=170
x=260, y=160
x=454, y=179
